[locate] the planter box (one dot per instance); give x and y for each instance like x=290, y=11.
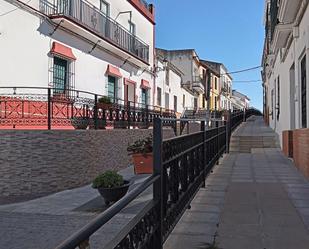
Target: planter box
x=114, y=194
x=143, y=163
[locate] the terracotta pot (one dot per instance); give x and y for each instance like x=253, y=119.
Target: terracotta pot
x=143, y=163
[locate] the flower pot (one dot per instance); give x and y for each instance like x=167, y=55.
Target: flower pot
x=143, y=163
x=80, y=123
x=114, y=194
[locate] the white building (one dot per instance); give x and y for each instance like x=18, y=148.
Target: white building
x=100, y=46
x=239, y=101
x=286, y=65
x=171, y=93
x=226, y=84
x=187, y=61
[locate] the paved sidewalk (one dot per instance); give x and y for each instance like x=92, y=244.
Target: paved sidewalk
x=45, y=222
x=252, y=200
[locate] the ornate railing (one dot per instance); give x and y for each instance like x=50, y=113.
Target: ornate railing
x=181, y=165
x=94, y=20
x=50, y=108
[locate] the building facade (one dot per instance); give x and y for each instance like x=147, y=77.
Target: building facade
x=100, y=46
x=171, y=93
x=239, y=101
x=286, y=65
x=226, y=84
x=187, y=61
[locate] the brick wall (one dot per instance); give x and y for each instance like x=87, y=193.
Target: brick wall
x=41, y=162
x=287, y=143
x=301, y=150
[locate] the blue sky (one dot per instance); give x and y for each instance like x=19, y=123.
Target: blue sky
x=226, y=31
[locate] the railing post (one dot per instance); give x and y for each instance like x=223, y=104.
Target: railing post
x=204, y=153
x=95, y=112
x=228, y=131
x=49, y=109
x=217, y=140
x=158, y=170
x=129, y=114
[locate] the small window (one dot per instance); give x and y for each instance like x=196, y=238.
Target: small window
x=167, y=101
x=144, y=97
x=112, y=88
x=216, y=83
x=278, y=99
x=159, y=96
x=132, y=28
x=175, y=103
x=184, y=100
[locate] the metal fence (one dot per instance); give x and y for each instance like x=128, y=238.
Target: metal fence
x=49, y=108
x=93, y=19
x=181, y=165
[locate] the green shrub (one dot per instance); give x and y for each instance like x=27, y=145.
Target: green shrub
x=105, y=100
x=142, y=146
x=109, y=179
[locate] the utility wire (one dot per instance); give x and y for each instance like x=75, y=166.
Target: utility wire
x=243, y=70
x=10, y=11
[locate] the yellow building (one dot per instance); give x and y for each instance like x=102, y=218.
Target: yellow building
x=213, y=90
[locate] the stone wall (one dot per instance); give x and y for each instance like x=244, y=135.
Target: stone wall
x=36, y=162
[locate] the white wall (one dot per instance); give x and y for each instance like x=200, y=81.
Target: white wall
x=281, y=68
x=25, y=42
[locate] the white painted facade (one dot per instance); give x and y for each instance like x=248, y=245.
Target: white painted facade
x=226, y=84
x=27, y=37
x=239, y=101
x=170, y=92
x=286, y=67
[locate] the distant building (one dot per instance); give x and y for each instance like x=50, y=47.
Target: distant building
x=188, y=62
x=226, y=84
x=239, y=101
x=171, y=93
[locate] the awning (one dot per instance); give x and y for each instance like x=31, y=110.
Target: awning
x=61, y=50
x=128, y=81
x=145, y=84
x=113, y=71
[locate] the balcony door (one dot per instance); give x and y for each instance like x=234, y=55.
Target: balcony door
x=104, y=7
x=129, y=94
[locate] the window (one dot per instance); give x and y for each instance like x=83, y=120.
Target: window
x=159, y=96
x=104, y=7
x=167, y=101
x=112, y=93
x=184, y=100
x=303, y=79
x=167, y=78
x=278, y=99
x=216, y=83
x=175, y=103
x=60, y=75
x=144, y=97
x=272, y=104
x=132, y=28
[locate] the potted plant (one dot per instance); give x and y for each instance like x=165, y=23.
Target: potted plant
x=111, y=186
x=80, y=123
x=104, y=103
x=141, y=151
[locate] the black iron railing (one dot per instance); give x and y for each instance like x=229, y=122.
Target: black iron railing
x=181, y=165
x=49, y=108
x=94, y=20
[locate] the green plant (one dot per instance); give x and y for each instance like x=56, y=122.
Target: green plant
x=104, y=100
x=142, y=146
x=109, y=179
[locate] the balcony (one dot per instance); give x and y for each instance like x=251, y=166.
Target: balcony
x=288, y=10
x=197, y=85
x=85, y=19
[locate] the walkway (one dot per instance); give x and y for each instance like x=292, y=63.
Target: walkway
x=252, y=200
x=45, y=222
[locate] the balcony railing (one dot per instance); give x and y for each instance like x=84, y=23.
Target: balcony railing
x=48, y=108
x=94, y=20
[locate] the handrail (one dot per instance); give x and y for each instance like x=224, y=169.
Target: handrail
x=84, y=233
